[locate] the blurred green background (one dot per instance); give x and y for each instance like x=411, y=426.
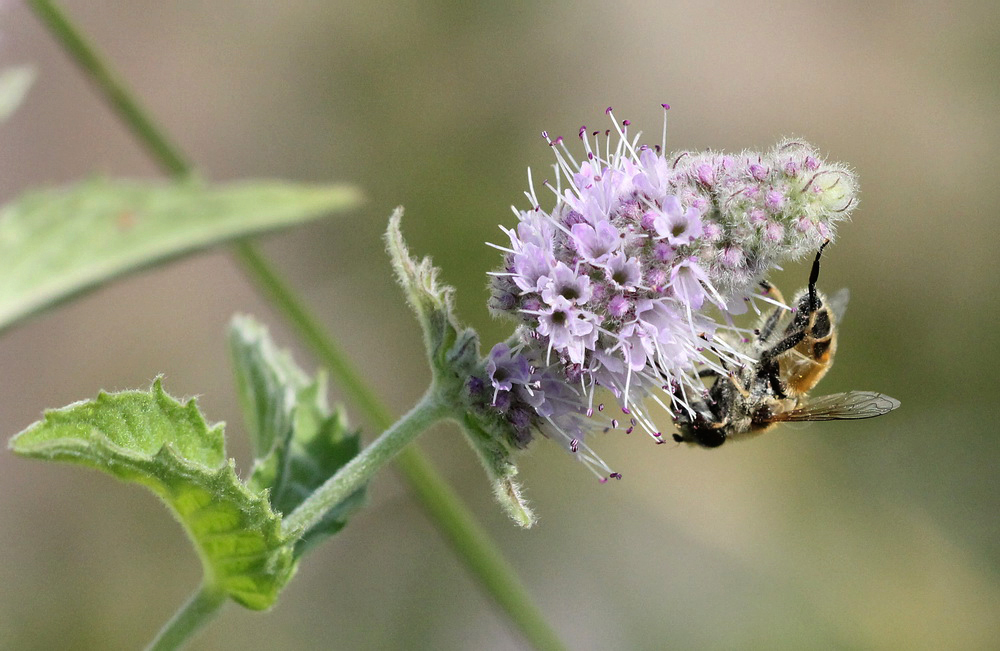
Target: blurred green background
x=876, y=534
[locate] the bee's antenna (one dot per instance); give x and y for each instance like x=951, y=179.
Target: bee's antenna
x=814, y=276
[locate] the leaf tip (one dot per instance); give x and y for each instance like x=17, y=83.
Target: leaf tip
x=508, y=493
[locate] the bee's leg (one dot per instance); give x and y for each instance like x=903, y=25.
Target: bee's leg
x=772, y=291
x=771, y=371
x=807, y=306
x=771, y=322
x=787, y=343
x=734, y=381
x=707, y=373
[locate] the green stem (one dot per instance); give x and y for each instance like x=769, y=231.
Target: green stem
x=453, y=519
x=479, y=552
x=361, y=468
x=116, y=92
x=200, y=609
x=456, y=523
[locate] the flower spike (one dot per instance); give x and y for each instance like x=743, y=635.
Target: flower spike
x=630, y=282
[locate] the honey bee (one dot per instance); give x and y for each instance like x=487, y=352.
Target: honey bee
x=788, y=364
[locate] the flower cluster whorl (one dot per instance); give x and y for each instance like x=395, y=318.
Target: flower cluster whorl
x=613, y=287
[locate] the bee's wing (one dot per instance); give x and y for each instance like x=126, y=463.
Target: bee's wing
x=837, y=302
x=841, y=406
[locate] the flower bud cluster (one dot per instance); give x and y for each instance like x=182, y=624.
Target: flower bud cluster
x=629, y=283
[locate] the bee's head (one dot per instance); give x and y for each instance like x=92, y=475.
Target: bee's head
x=701, y=432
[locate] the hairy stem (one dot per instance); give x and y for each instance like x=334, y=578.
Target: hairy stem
x=361, y=468
x=472, y=545
x=199, y=609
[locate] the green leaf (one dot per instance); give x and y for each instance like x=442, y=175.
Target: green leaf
x=453, y=352
x=268, y=382
x=299, y=442
x=486, y=436
x=151, y=439
x=14, y=85
x=55, y=243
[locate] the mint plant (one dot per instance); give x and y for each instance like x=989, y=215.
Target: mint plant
x=621, y=293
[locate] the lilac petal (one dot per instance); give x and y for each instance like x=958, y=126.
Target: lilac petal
x=686, y=279
x=595, y=243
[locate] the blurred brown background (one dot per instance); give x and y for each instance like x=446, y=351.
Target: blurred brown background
x=876, y=534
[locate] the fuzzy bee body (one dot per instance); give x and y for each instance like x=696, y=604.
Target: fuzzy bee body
x=788, y=363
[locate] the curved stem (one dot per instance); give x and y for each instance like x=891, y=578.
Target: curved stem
x=455, y=522
x=361, y=468
x=199, y=609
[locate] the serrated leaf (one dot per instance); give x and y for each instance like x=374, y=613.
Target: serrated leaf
x=268, y=382
x=14, y=85
x=151, y=439
x=321, y=445
x=55, y=243
x=300, y=443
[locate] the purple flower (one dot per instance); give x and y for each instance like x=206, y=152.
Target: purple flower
x=618, y=306
x=566, y=283
x=706, y=174
x=638, y=345
x=630, y=282
x=505, y=369
x=677, y=225
x=530, y=265
x=732, y=256
x=654, y=178
x=569, y=330
x=623, y=273
x=686, y=280
x=596, y=243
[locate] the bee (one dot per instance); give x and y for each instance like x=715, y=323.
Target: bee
x=788, y=363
